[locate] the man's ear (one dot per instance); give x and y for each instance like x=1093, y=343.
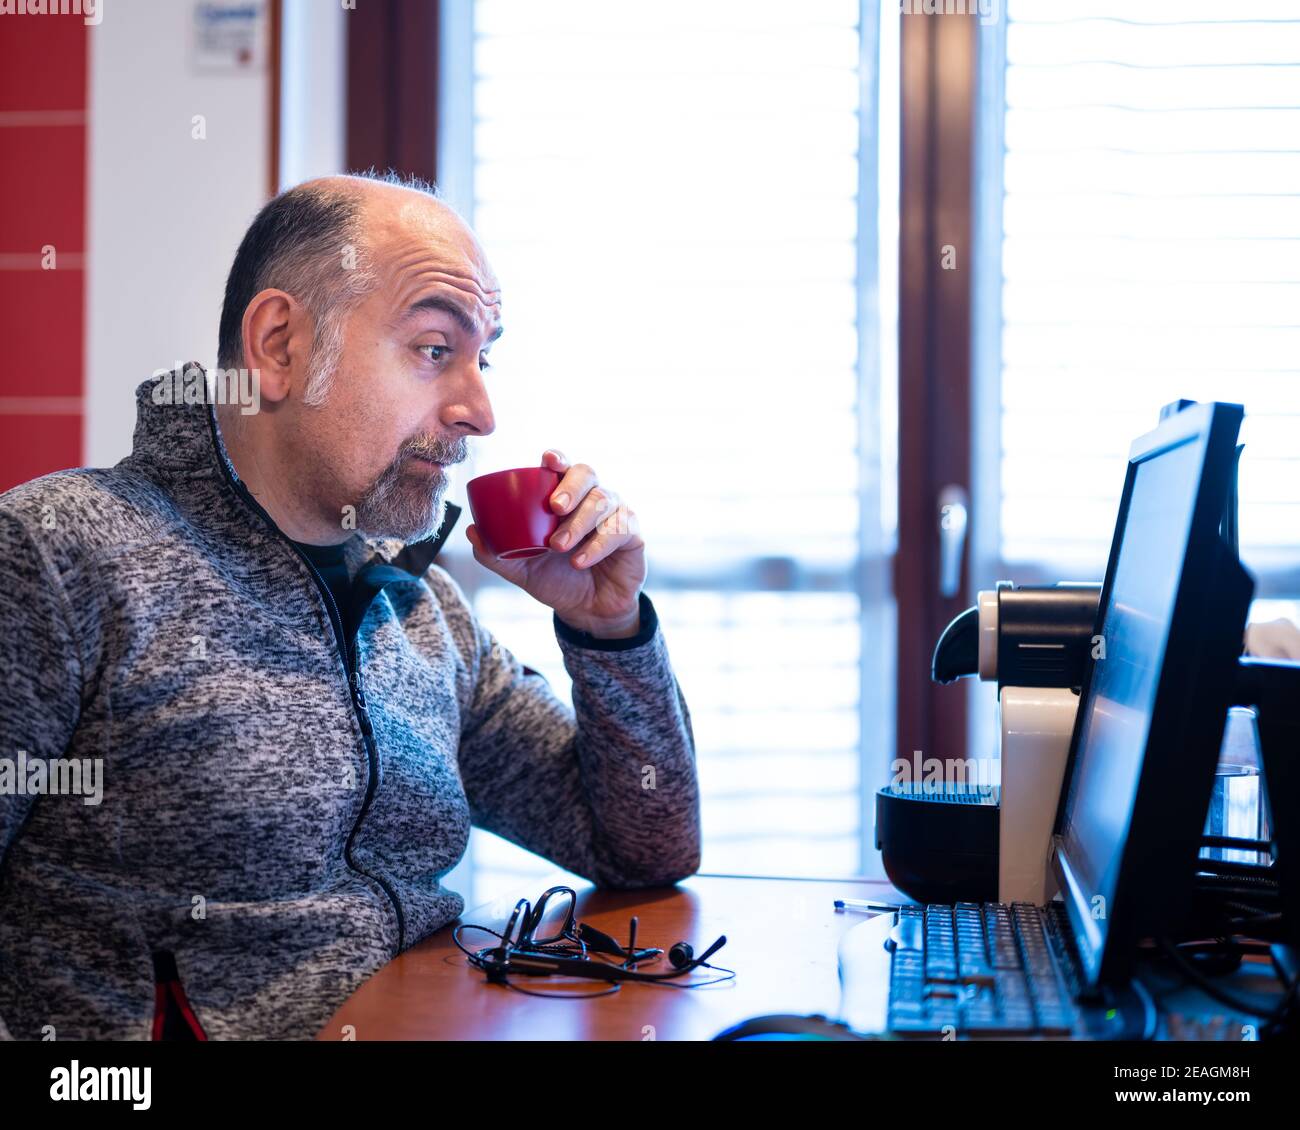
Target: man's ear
x=277, y=342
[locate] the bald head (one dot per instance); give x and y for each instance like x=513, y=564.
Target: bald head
x=319, y=242
x=364, y=307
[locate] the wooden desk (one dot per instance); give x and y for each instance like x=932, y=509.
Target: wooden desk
x=782, y=940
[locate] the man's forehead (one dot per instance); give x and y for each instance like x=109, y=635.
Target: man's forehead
x=422, y=282
x=428, y=258
x=401, y=220
x=458, y=308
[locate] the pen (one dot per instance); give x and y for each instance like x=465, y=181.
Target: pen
x=859, y=904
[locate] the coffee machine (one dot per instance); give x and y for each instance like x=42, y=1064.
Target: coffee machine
x=951, y=841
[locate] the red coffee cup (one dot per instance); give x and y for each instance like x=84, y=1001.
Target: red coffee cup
x=512, y=510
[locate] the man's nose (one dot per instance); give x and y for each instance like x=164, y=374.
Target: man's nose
x=468, y=409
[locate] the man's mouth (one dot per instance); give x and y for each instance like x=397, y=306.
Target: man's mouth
x=426, y=467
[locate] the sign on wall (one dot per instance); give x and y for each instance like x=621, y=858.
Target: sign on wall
x=228, y=35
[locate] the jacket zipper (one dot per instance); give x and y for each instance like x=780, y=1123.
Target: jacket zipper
x=352, y=675
x=357, y=695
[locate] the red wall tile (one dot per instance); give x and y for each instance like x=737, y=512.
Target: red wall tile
x=35, y=445
x=43, y=200
x=44, y=318
x=43, y=68
x=43, y=62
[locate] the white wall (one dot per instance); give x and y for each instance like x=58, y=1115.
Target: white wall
x=166, y=212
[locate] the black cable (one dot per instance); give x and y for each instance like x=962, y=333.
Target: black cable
x=1150, y=1013
x=667, y=984
x=1222, y=946
x=617, y=986
x=1268, y=1014
x=1285, y=1022
x=1218, y=958
x=608, y=991
x=496, y=964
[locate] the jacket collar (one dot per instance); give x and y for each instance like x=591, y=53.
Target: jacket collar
x=416, y=557
x=177, y=434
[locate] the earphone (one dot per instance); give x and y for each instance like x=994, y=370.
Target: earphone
x=538, y=963
x=572, y=951
x=599, y=942
x=681, y=956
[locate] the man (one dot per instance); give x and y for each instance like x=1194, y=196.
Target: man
x=282, y=715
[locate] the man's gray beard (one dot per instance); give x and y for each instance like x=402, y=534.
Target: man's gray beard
x=395, y=506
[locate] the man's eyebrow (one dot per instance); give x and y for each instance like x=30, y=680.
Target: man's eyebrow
x=458, y=312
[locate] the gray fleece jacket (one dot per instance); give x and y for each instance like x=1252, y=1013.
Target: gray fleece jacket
x=278, y=803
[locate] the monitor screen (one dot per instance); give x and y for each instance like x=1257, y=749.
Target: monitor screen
x=1134, y=628
x=1169, y=631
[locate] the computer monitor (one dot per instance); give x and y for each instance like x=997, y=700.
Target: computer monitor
x=1155, y=694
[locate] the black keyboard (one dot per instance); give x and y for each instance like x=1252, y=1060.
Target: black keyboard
x=982, y=969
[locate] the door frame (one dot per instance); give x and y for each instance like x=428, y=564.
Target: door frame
x=938, y=72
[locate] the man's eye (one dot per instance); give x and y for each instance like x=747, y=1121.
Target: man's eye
x=483, y=362
x=438, y=357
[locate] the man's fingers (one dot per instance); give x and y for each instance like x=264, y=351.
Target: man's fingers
x=614, y=532
x=597, y=504
x=576, y=482
x=1273, y=639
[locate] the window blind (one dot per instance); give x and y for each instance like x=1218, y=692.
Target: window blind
x=1150, y=250
x=669, y=194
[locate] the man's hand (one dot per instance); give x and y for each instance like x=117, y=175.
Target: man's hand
x=1274, y=639
x=593, y=575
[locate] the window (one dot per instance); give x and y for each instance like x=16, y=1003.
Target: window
x=1147, y=235
x=1138, y=220
x=681, y=202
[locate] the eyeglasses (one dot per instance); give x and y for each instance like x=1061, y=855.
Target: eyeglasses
x=527, y=920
